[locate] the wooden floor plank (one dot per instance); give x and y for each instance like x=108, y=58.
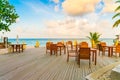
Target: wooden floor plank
x=35, y=64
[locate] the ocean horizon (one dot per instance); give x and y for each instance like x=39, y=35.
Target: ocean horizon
x=32, y=41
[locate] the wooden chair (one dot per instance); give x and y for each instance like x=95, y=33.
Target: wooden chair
x=48, y=46
x=2, y=45
x=103, y=43
x=84, y=53
x=53, y=48
x=62, y=44
x=102, y=48
x=69, y=44
x=117, y=50
x=24, y=45
x=37, y=44
x=99, y=47
x=61, y=47
x=70, y=51
x=84, y=44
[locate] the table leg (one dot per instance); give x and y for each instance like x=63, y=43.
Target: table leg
x=78, y=59
x=95, y=57
x=64, y=50
x=50, y=51
x=22, y=48
x=19, y=48
x=60, y=50
x=13, y=48
x=109, y=52
x=16, y=47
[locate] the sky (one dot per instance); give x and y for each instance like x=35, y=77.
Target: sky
x=63, y=18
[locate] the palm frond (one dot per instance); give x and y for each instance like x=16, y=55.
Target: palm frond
x=91, y=35
x=117, y=1
x=118, y=8
x=88, y=37
x=118, y=14
x=99, y=35
x=94, y=36
x=116, y=23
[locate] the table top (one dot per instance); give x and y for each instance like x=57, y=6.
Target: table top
x=60, y=45
x=111, y=46
x=93, y=49
x=18, y=44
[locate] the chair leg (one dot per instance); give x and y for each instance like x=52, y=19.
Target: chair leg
x=67, y=58
x=76, y=58
x=116, y=54
x=99, y=52
x=89, y=64
x=103, y=53
x=51, y=52
x=56, y=53
x=79, y=63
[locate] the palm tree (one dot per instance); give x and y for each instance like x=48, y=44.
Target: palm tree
x=117, y=10
x=94, y=38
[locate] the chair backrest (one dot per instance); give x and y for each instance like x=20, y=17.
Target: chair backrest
x=37, y=44
x=75, y=42
x=117, y=50
x=48, y=45
x=116, y=42
x=24, y=45
x=70, y=44
x=84, y=44
x=103, y=43
x=2, y=45
x=84, y=53
x=103, y=46
x=98, y=46
x=53, y=47
x=61, y=43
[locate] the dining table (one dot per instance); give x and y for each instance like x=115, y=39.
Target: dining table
x=60, y=46
x=17, y=47
x=110, y=50
x=94, y=54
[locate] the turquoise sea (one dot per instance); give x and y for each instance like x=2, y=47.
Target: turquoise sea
x=32, y=41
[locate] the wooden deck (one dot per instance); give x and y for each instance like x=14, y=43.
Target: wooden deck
x=35, y=64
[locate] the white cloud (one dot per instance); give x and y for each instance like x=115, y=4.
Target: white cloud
x=70, y=28
x=51, y=24
x=77, y=7
x=80, y=27
x=110, y=6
